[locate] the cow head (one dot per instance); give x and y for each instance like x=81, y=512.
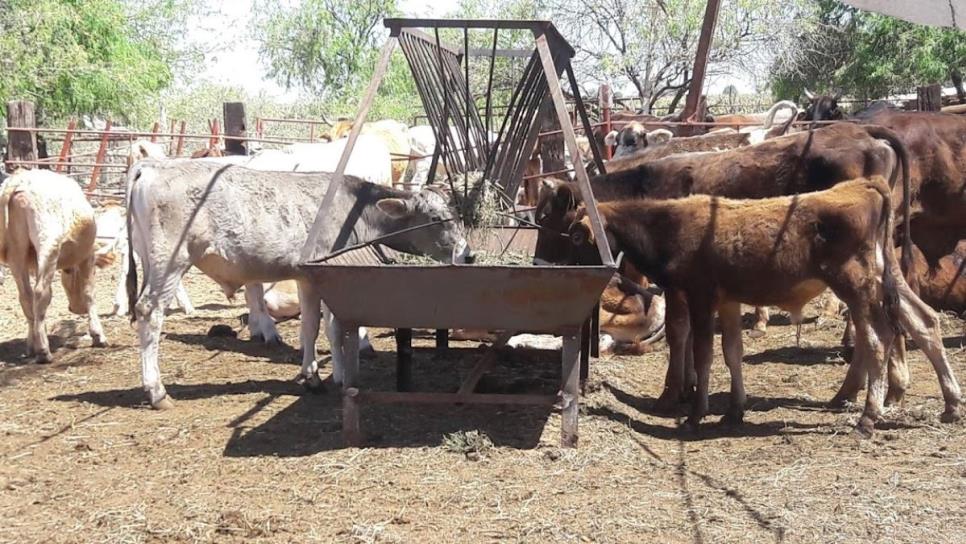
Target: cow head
x=554, y=213
x=634, y=137
x=78, y=282
x=584, y=245
x=822, y=107
x=444, y=240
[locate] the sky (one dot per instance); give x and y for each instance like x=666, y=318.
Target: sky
x=236, y=62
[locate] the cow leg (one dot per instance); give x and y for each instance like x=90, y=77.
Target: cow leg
x=120, y=293
x=260, y=323
x=922, y=323
x=898, y=373
x=333, y=331
x=94, y=328
x=761, y=322
x=311, y=308
x=25, y=291
x=796, y=319
x=873, y=335
x=41, y=301
x=161, y=279
x=702, y=327
x=678, y=330
x=729, y=317
x=183, y=300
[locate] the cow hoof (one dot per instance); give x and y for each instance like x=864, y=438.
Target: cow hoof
x=164, y=404
x=894, y=397
x=367, y=352
x=865, y=427
x=840, y=401
x=99, y=341
x=222, y=331
x=689, y=427
x=756, y=333
x=952, y=414
x=312, y=384
x=273, y=341
x=43, y=358
x=734, y=417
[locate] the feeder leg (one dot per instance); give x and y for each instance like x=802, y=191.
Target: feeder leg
x=404, y=359
x=585, y=351
x=351, y=433
x=570, y=391
x=442, y=341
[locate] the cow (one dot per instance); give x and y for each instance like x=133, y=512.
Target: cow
x=370, y=159
x=46, y=225
x=797, y=163
x=663, y=147
x=780, y=251
x=393, y=134
x=942, y=285
x=245, y=227
x=937, y=155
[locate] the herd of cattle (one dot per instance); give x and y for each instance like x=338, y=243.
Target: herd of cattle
x=769, y=215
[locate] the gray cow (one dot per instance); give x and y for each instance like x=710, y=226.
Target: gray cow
x=244, y=227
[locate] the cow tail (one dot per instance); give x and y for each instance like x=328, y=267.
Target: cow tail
x=132, y=270
x=902, y=155
x=890, y=287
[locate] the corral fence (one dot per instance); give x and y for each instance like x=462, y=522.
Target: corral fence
x=99, y=158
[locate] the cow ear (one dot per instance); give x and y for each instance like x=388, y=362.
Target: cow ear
x=396, y=208
x=659, y=136
x=808, y=94
x=611, y=138
x=580, y=232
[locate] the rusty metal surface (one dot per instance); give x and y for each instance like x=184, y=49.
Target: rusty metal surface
x=551, y=299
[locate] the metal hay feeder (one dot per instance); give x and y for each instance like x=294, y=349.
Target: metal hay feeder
x=545, y=299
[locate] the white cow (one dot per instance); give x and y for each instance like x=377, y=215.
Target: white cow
x=370, y=159
x=46, y=224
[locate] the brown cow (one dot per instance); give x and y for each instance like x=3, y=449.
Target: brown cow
x=943, y=285
x=797, y=163
x=779, y=252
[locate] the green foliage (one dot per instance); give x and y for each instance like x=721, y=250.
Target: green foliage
x=867, y=54
x=86, y=56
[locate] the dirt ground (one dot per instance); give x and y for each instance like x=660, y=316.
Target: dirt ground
x=246, y=455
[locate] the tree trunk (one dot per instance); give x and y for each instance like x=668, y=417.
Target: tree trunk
x=957, y=78
x=677, y=98
x=552, y=146
x=930, y=98
x=21, y=145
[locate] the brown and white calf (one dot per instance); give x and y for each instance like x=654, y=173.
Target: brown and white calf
x=46, y=224
x=719, y=253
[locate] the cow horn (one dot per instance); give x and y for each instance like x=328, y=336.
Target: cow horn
x=808, y=94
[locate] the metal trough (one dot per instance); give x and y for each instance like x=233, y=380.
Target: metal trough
x=362, y=290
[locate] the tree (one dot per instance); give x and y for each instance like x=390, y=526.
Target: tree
x=868, y=54
x=320, y=45
x=88, y=56
x=651, y=44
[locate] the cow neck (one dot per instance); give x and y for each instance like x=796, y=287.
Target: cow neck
x=622, y=184
x=374, y=222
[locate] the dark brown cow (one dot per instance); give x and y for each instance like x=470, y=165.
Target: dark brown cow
x=719, y=253
x=792, y=164
x=942, y=285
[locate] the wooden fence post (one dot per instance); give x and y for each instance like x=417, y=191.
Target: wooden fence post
x=179, y=148
x=235, y=128
x=21, y=145
x=930, y=98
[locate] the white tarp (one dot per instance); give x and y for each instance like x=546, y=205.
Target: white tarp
x=925, y=12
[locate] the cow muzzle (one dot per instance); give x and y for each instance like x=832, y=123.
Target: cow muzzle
x=462, y=253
